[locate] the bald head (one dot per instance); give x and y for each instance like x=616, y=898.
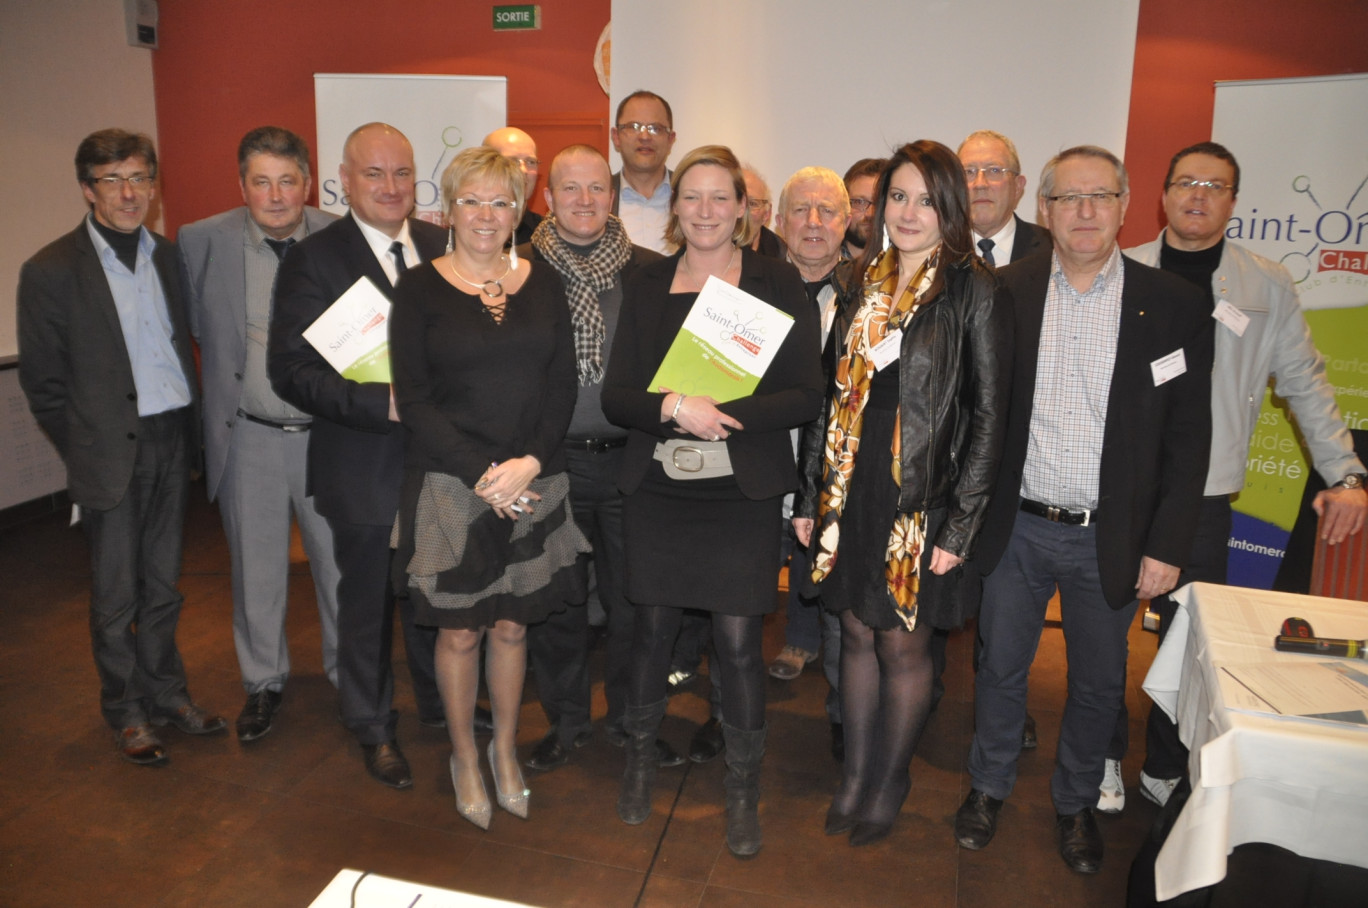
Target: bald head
x=377, y=176
x=512, y=142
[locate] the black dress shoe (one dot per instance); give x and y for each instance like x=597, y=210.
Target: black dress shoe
x=838, y=823
x=484, y=721
x=1080, y=841
x=976, y=820
x=386, y=763
x=868, y=833
x=666, y=756
x=193, y=720
x=707, y=743
x=256, y=717
x=551, y=753
x=139, y=744
x=1029, y=741
x=837, y=744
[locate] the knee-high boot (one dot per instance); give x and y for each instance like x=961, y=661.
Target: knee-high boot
x=641, y=724
x=743, y=754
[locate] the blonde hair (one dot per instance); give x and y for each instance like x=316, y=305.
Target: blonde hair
x=479, y=164
x=717, y=156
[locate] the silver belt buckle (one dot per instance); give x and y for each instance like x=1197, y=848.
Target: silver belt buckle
x=692, y=462
x=1052, y=513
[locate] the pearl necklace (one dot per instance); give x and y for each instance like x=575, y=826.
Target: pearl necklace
x=483, y=286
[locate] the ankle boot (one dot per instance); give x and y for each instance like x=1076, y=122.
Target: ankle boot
x=641, y=724
x=743, y=753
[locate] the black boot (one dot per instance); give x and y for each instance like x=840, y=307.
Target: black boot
x=641, y=724
x=743, y=753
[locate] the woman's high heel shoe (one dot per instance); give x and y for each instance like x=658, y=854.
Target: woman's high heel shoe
x=477, y=813
x=515, y=803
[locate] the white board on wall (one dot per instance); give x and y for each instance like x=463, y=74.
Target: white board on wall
x=441, y=115
x=791, y=83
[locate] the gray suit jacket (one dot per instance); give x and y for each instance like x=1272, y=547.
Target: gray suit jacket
x=214, y=267
x=74, y=365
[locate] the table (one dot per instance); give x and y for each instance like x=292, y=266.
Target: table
x=1301, y=784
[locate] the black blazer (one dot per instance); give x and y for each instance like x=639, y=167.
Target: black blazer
x=1029, y=238
x=1156, y=441
x=788, y=395
x=74, y=365
x=356, y=455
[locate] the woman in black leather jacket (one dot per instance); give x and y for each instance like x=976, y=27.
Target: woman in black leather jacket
x=898, y=478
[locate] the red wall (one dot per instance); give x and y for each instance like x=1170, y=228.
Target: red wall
x=223, y=69
x=1183, y=47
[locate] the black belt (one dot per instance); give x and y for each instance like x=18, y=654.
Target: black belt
x=282, y=426
x=595, y=445
x=1078, y=518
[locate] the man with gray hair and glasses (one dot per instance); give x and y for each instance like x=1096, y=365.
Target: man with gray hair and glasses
x=1097, y=495
x=996, y=185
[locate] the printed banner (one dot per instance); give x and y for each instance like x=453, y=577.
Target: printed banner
x=1303, y=202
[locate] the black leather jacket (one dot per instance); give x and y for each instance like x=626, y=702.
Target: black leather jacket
x=955, y=365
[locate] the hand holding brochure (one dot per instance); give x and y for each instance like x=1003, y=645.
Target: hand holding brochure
x=353, y=335
x=725, y=345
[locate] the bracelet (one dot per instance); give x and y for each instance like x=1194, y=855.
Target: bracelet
x=674, y=414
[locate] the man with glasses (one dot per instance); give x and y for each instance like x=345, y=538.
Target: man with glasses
x=996, y=185
x=255, y=443
x=512, y=142
x=762, y=239
x=860, y=181
x=105, y=362
x=356, y=445
x=1097, y=495
x=643, y=136
x=1262, y=334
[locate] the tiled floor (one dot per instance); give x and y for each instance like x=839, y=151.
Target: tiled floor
x=270, y=823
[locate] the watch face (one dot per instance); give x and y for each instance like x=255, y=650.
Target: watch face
x=1352, y=481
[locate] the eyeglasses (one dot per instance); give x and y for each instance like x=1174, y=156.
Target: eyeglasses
x=860, y=206
x=757, y=204
x=498, y=206
x=114, y=182
x=1076, y=200
x=654, y=129
x=1215, y=186
x=527, y=162
x=990, y=174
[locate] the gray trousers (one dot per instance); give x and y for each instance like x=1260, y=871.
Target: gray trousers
x=263, y=483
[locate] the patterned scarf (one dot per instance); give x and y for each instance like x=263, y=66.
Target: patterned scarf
x=877, y=317
x=586, y=276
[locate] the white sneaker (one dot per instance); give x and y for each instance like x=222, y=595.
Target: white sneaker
x=1112, y=795
x=1157, y=790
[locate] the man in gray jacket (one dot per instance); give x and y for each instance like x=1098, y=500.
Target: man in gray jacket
x=256, y=444
x=1261, y=333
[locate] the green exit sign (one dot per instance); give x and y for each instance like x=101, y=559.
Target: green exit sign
x=516, y=18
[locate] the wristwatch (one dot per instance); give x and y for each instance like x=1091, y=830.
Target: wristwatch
x=1353, y=481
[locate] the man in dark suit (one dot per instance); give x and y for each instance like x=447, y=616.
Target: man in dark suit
x=996, y=185
x=255, y=442
x=106, y=365
x=356, y=447
x=1099, y=489
x=589, y=247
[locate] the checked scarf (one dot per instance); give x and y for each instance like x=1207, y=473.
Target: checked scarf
x=877, y=317
x=586, y=276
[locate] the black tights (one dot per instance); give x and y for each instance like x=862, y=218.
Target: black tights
x=740, y=667
x=885, y=698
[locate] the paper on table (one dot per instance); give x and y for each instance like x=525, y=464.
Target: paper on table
x=724, y=346
x=1336, y=690
x=353, y=334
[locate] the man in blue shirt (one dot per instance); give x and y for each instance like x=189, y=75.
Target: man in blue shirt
x=106, y=365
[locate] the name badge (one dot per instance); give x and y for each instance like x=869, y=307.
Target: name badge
x=1231, y=317
x=1169, y=367
x=886, y=351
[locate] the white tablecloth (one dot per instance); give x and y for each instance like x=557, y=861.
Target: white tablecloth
x=1301, y=784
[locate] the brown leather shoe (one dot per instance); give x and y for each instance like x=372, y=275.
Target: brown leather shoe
x=193, y=720
x=387, y=764
x=139, y=744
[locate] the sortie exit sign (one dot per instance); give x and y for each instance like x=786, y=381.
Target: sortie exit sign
x=515, y=18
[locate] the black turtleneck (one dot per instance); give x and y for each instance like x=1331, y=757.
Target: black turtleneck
x=125, y=245
x=1197, y=267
